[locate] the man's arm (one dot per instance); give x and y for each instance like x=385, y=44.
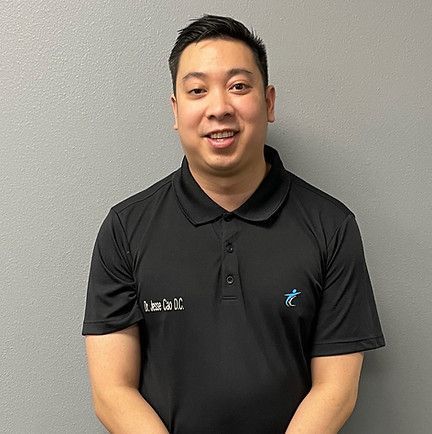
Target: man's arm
x=114, y=367
x=333, y=395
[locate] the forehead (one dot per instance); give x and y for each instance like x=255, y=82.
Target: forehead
x=216, y=55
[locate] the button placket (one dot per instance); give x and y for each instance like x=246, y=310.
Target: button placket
x=231, y=289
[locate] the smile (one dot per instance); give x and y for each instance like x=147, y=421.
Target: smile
x=221, y=139
x=221, y=134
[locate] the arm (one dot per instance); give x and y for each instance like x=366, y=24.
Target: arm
x=332, y=397
x=114, y=369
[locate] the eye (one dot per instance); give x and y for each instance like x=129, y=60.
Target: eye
x=196, y=91
x=240, y=86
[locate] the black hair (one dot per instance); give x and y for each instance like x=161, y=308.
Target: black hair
x=217, y=27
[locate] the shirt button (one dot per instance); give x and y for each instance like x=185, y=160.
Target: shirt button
x=227, y=217
x=230, y=279
x=229, y=248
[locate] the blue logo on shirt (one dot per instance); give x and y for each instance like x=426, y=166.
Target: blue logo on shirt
x=290, y=297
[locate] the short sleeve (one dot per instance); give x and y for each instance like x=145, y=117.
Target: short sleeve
x=111, y=303
x=347, y=320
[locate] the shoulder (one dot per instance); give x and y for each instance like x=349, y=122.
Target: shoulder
x=317, y=207
x=144, y=198
x=139, y=207
x=317, y=198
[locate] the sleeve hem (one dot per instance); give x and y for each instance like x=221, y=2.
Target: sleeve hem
x=329, y=349
x=101, y=328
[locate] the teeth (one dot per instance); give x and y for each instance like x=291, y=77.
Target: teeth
x=222, y=135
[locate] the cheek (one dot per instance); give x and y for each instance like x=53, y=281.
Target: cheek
x=189, y=116
x=252, y=112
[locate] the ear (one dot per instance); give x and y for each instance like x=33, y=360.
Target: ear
x=174, y=109
x=270, y=100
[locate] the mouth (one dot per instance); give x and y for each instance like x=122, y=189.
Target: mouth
x=221, y=138
x=221, y=134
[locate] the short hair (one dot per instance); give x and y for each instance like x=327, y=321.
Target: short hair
x=217, y=27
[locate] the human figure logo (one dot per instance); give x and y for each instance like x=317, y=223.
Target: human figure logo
x=290, y=297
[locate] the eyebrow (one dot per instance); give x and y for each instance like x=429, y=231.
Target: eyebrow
x=229, y=74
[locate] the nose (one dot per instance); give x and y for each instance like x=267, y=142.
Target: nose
x=219, y=105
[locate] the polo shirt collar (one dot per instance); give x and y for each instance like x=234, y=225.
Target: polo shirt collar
x=264, y=202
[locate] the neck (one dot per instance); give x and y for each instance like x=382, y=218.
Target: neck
x=231, y=192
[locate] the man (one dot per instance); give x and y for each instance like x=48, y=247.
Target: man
x=230, y=297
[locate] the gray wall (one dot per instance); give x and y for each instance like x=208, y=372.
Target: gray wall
x=86, y=122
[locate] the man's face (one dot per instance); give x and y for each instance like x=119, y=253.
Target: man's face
x=221, y=109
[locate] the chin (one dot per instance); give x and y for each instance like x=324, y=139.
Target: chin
x=222, y=165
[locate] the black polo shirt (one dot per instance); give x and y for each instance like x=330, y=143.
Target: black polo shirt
x=231, y=306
